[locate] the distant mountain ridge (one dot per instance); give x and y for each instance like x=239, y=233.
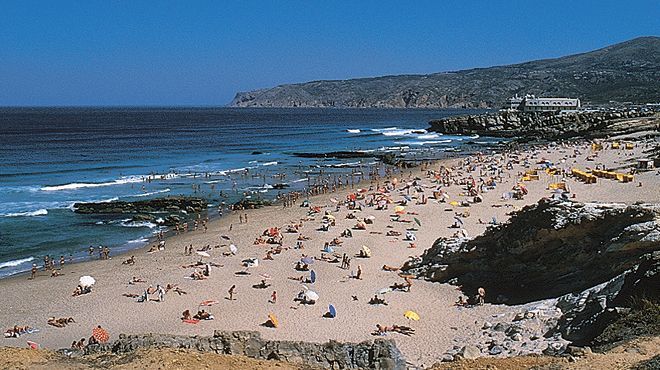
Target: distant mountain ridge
x=628, y=71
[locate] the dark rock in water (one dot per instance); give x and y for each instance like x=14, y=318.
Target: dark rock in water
x=251, y=203
x=280, y=186
x=547, y=125
x=379, y=354
x=594, y=242
x=158, y=205
x=146, y=210
x=257, y=152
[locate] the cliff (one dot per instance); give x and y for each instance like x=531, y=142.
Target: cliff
x=627, y=71
x=547, y=125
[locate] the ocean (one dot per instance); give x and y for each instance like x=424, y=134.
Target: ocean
x=51, y=158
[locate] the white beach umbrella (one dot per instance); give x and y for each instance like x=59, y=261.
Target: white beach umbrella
x=86, y=281
x=233, y=249
x=203, y=254
x=311, y=295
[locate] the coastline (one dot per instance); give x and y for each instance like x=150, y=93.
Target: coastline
x=434, y=302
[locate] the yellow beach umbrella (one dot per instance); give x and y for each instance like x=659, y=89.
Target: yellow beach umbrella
x=273, y=320
x=411, y=315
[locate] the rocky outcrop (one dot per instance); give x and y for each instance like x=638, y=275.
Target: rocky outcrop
x=379, y=354
x=546, y=250
x=548, y=125
x=170, y=209
x=628, y=71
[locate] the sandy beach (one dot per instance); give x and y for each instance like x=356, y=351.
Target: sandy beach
x=442, y=325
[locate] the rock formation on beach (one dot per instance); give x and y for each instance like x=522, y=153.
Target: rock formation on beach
x=591, y=261
x=377, y=354
x=628, y=71
x=548, y=125
x=547, y=250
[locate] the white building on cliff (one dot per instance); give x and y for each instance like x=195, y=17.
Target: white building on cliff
x=530, y=103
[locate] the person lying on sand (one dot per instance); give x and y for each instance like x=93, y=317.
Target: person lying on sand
x=55, y=273
x=261, y=285
x=300, y=266
x=383, y=330
x=203, y=315
x=130, y=261
x=376, y=300
x=61, y=322
x=393, y=233
x=136, y=280
x=17, y=331
x=197, y=275
x=186, y=315
x=390, y=268
x=130, y=295
x=303, y=237
x=461, y=302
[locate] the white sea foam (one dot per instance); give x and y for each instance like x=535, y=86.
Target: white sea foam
x=424, y=142
x=39, y=212
x=152, y=193
x=300, y=180
x=428, y=136
x=15, y=263
x=353, y=131
x=384, y=129
x=150, y=225
x=269, y=163
x=135, y=241
x=80, y=185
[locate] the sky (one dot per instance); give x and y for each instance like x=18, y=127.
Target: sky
x=162, y=53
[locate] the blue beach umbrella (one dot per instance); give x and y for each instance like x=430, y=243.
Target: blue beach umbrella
x=312, y=276
x=332, y=311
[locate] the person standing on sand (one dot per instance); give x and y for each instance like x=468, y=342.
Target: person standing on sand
x=240, y=218
x=161, y=293
x=245, y=217
x=359, y=273
x=273, y=297
x=33, y=271
x=231, y=292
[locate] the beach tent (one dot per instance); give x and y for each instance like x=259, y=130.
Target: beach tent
x=411, y=315
x=365, y=252
x=332, y=311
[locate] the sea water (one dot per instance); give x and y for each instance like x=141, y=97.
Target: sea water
x=51, y=158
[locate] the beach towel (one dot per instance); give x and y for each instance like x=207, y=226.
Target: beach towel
x=191, y=321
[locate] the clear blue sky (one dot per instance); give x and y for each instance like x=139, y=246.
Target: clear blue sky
x=201, y=52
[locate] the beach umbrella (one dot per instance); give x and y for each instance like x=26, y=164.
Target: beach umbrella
x=366, y=251
x=32, y=344
x=86, y=281
x=273, y=320
x=411, y=315
x=100, y=334
x=417, y=221
x=332, y=311
x=399, y=210
x=312, y=276
x=307, y=260
x=311, y=295
x=233, y=249
x=203, y=254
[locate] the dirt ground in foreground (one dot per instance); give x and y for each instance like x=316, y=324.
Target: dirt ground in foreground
x=632, y=355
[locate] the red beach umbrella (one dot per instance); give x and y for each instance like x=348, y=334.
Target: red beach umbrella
x=100, y=334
